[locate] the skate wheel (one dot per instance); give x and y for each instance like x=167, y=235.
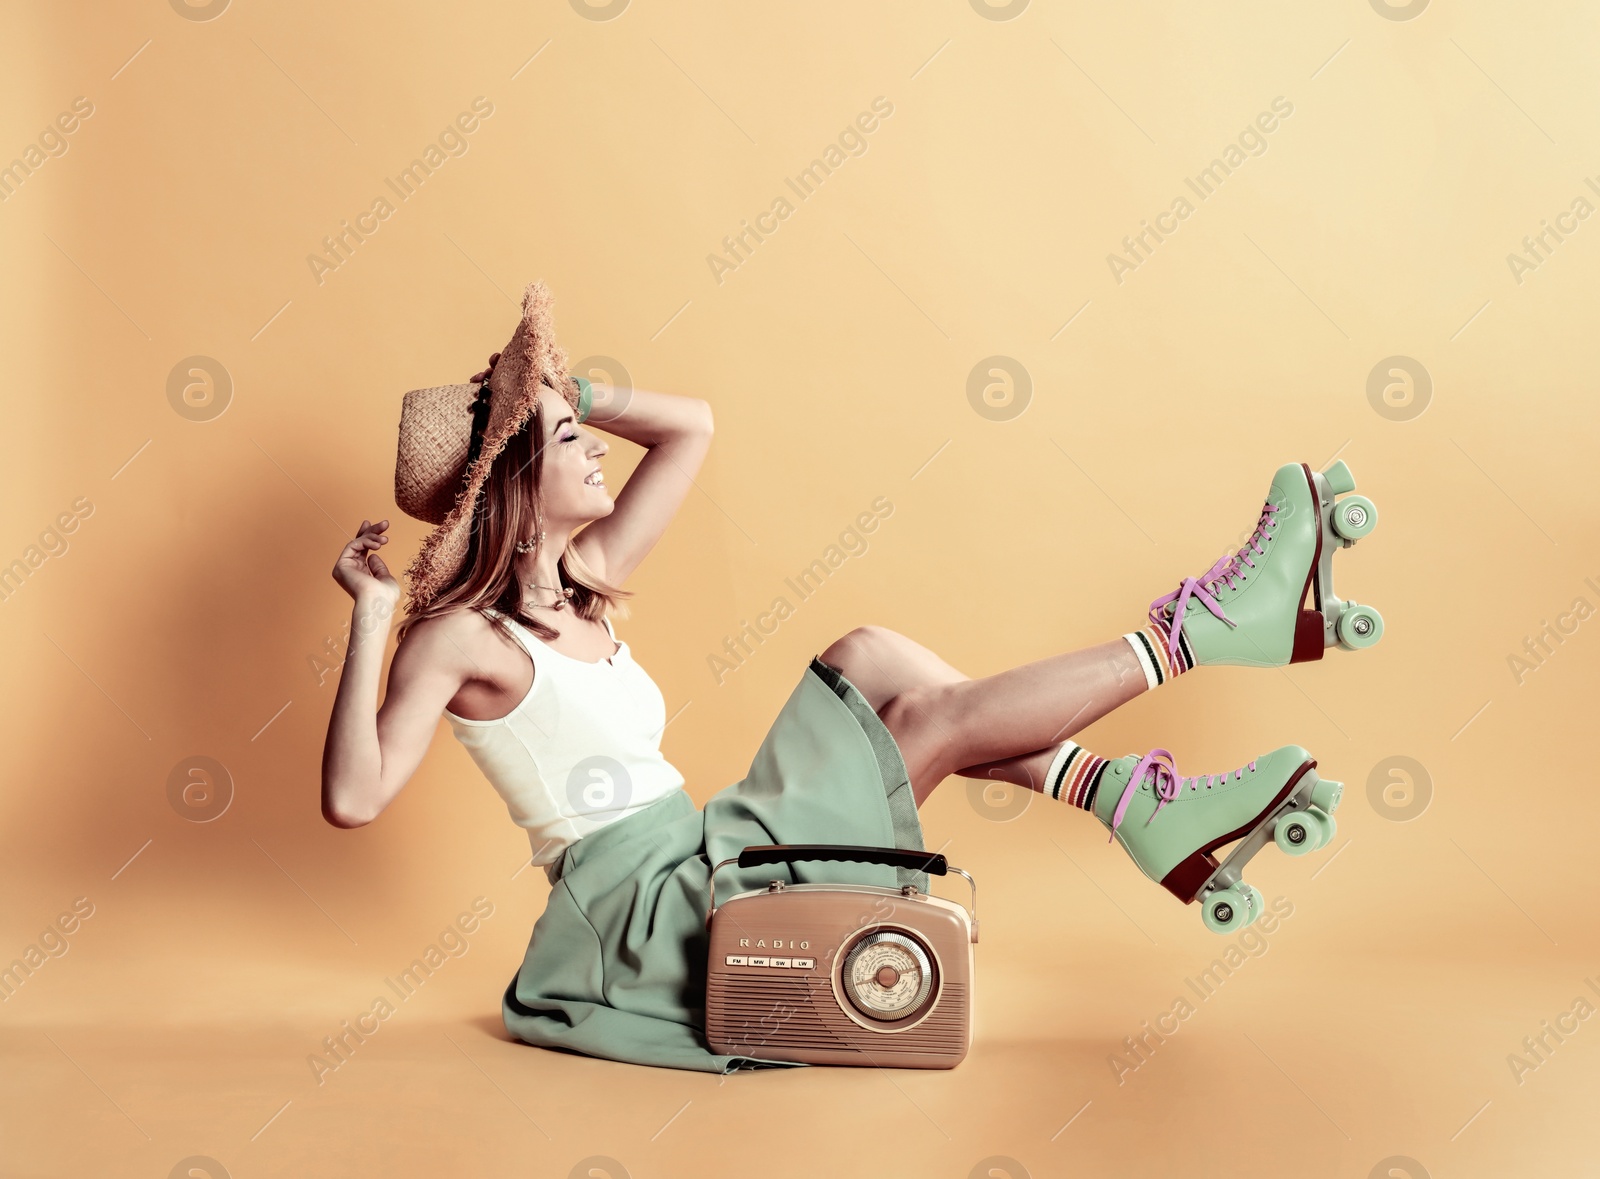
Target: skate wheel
x=1360, y=626
x=1325, y=795
x=1330, y=825
x=1225, y=910
x=1354, y=517
x=1297, y=834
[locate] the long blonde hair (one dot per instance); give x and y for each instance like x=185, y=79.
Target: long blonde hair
x=510, y=508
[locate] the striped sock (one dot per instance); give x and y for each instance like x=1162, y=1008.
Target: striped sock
x=1149, y=643
x=1074, y=775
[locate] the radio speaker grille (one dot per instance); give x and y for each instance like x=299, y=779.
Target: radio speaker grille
x=746, y=1014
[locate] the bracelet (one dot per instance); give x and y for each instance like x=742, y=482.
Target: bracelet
x=585, y=398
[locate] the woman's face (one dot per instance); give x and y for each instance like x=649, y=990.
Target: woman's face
x=571, y=486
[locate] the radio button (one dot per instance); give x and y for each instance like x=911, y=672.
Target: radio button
x=803, y=963
x=779, y=962
x=758, y=960
x=737, y=960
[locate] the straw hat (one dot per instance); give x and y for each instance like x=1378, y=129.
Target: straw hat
x=439, y=472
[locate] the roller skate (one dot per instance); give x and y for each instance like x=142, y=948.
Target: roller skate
x=1249, y=608
x=1171, y=825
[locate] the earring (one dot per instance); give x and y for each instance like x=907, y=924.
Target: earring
x=527, y=546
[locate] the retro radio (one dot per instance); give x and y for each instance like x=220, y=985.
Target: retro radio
x=839, y=973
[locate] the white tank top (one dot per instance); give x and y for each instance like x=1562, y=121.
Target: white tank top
x=582, y=749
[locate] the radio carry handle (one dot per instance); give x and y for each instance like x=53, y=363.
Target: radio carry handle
x=756, y=855
x=933, y=863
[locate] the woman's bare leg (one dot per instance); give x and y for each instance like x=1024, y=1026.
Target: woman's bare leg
x=1006, y=726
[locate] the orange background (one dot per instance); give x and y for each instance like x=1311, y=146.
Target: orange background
x=184, y=612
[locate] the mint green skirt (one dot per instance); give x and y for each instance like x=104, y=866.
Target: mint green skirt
x=616, y=966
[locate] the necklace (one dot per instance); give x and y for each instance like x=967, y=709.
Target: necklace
x=564, y=592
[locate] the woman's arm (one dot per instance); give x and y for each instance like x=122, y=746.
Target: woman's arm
x=676, y=434
x=352, y=759
x=370, y=754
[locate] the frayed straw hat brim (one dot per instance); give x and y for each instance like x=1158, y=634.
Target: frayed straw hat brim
x=435, y=433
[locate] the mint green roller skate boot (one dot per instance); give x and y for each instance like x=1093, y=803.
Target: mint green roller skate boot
x=1170, y=825
x=1250, y=608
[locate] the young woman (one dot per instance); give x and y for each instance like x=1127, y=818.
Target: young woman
x=507, y=637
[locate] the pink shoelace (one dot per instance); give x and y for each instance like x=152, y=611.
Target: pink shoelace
x=1226, y=570
x=1168, y=783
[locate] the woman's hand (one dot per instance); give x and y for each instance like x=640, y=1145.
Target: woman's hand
x=480, y=378
x=361, y=573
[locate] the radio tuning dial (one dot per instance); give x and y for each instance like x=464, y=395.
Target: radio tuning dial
x=887, y=975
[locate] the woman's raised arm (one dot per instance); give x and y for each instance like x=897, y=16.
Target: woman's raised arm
x=676, y=433
x=371, y=753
